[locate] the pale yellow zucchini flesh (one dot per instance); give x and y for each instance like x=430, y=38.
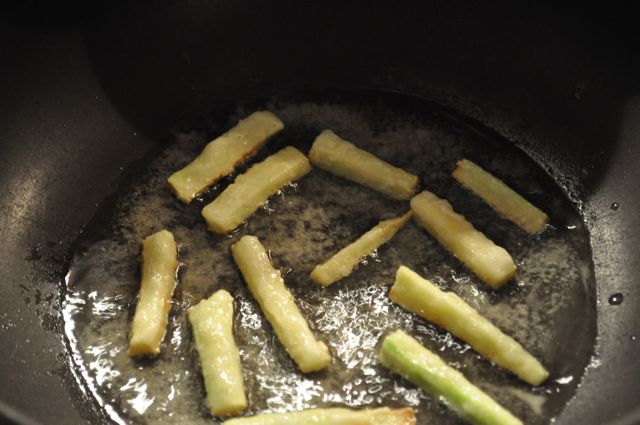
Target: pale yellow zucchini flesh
x=220, y=157
x=344, y=261
x=500, y=197
x=277, y=304
x=332, y=416
x=489, y=262
x=335, y=155
x=212, y=323
x=253, y=188
x=449, y=311
x=159, y=264
x=408, y=358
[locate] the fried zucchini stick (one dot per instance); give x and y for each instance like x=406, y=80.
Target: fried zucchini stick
x=491, y=263
x=344, y=261
x=331, y=153
x=449, y=311
x=277, y=304
x=408, y=358
x=212, y=323
x=500, y=197
x=332, y=416
x=253, y=188
x=220, y=157
x=159, y=264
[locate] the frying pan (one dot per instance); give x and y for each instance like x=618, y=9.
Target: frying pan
x=85, y=92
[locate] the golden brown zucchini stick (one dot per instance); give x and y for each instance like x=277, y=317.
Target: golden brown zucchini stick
x=333, y=154
x=159, y=264
x=491, y=263
x=212, y=323
x=220, y=157
x=253, y=188
x=501, y=197
x=449, y=311
x=277, y=304
x=343, y=262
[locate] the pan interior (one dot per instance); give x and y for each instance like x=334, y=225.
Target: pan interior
x=549, y=307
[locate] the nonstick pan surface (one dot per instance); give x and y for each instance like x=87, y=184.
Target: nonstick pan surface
x=86, y=94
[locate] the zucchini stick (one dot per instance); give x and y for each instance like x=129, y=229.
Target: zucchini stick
x=221, y=156
x=277, y=304
x=449, y=311
x=332, y=416
x=407, y=357
x=159, y=264
x=253, y=188
x=343, y=262
x=500, y=197
x=491, y=263
x=333, y=154
x=212, y=323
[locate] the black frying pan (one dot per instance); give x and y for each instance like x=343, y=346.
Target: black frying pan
x=84, y=93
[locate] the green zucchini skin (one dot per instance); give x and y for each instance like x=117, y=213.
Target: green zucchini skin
x=407, y=357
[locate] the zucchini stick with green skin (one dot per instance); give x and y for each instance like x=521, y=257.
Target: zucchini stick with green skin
x=333, y=154
x=212, y=323
x=449, y=311
x=491, y=263
x=332, y=416
x=277, y=304
x=221, y=156
x=253, y=188
x=159, y=264
x=343, y=262
x=501, y=197
x=407, y=357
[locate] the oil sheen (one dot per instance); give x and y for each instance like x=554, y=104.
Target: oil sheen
x=549, y=308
